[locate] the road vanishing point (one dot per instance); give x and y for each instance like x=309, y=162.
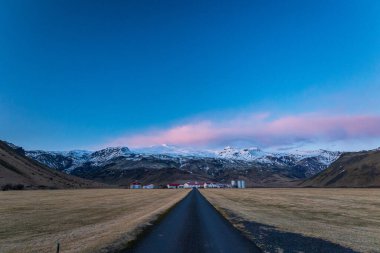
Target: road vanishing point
x=193, y=225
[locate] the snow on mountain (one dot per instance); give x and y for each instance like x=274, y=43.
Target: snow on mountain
x=69, y=160
x=325, y=157
x=60, y=160
x=107, y=154
x=172, y=150
x=79, y=154
x=248, y=154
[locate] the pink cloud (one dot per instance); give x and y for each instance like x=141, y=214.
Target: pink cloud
x=260, y=129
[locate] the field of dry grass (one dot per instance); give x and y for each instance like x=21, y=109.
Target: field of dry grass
x=349, y=217
x=82, y=220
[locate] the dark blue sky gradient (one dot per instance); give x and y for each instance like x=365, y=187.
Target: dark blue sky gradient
x=76, y=73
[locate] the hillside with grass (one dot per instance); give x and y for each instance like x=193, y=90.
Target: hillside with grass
x=355, y=169
x=18, y=172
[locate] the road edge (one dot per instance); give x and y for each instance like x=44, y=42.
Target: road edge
x=240, y=224
x=122, y=245
x=242, y=232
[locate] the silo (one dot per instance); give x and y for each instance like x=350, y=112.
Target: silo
x=239, y=184
x=242, y=184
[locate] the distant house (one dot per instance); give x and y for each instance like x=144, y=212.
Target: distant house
x=173, y=186
x=193, y=185
x=216, y=185
x=211, y=185
x=135, y=185
x=149, y=186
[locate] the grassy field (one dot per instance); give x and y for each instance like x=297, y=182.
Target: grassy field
x=349, y=217
x=82, y=220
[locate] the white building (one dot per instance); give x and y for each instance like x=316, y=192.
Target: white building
x=212, y=185
x=193, y=185
x=135, y=185
x=172, y=186
x=238, y=184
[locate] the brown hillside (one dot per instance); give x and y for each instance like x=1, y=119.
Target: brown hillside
x=18, y=171
x=356, y=169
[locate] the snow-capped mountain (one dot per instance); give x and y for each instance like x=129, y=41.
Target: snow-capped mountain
x=244, y=154
x=104, y=155
x=324, y=156
x=119, y=165
x=310, y=162
x=63, y=161
x=241, y=154
x=69, y=160
x=172, y=150
x=255, y=154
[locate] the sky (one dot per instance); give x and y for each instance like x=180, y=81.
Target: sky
x=272, y=74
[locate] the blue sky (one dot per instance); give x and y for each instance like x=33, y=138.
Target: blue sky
x=85, y=74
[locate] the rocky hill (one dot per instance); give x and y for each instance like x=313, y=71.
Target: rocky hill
x=355, y=169
x=20, y=172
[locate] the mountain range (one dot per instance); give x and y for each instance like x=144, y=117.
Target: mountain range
x=163, y=164
x=119, y=166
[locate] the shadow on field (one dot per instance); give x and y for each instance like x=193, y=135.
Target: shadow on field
x=270, y=239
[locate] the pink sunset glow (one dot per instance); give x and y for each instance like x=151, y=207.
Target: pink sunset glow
x=260, y=129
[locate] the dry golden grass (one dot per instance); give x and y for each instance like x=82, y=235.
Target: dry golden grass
x=82, y=220
x=349, y=217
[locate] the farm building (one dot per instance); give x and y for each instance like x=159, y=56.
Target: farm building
x=135, y=185
x=196, y=184
x=238, y=184
x=210, y=185
x=149, y=186
x=213, y=185
x=173, y=186
x=193, y=185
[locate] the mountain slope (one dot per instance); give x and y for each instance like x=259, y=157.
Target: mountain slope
x=17, y=170
x=67, y=161
x=355, y=169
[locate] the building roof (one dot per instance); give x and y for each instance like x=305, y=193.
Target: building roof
x=173, y=184
x=194, y=183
